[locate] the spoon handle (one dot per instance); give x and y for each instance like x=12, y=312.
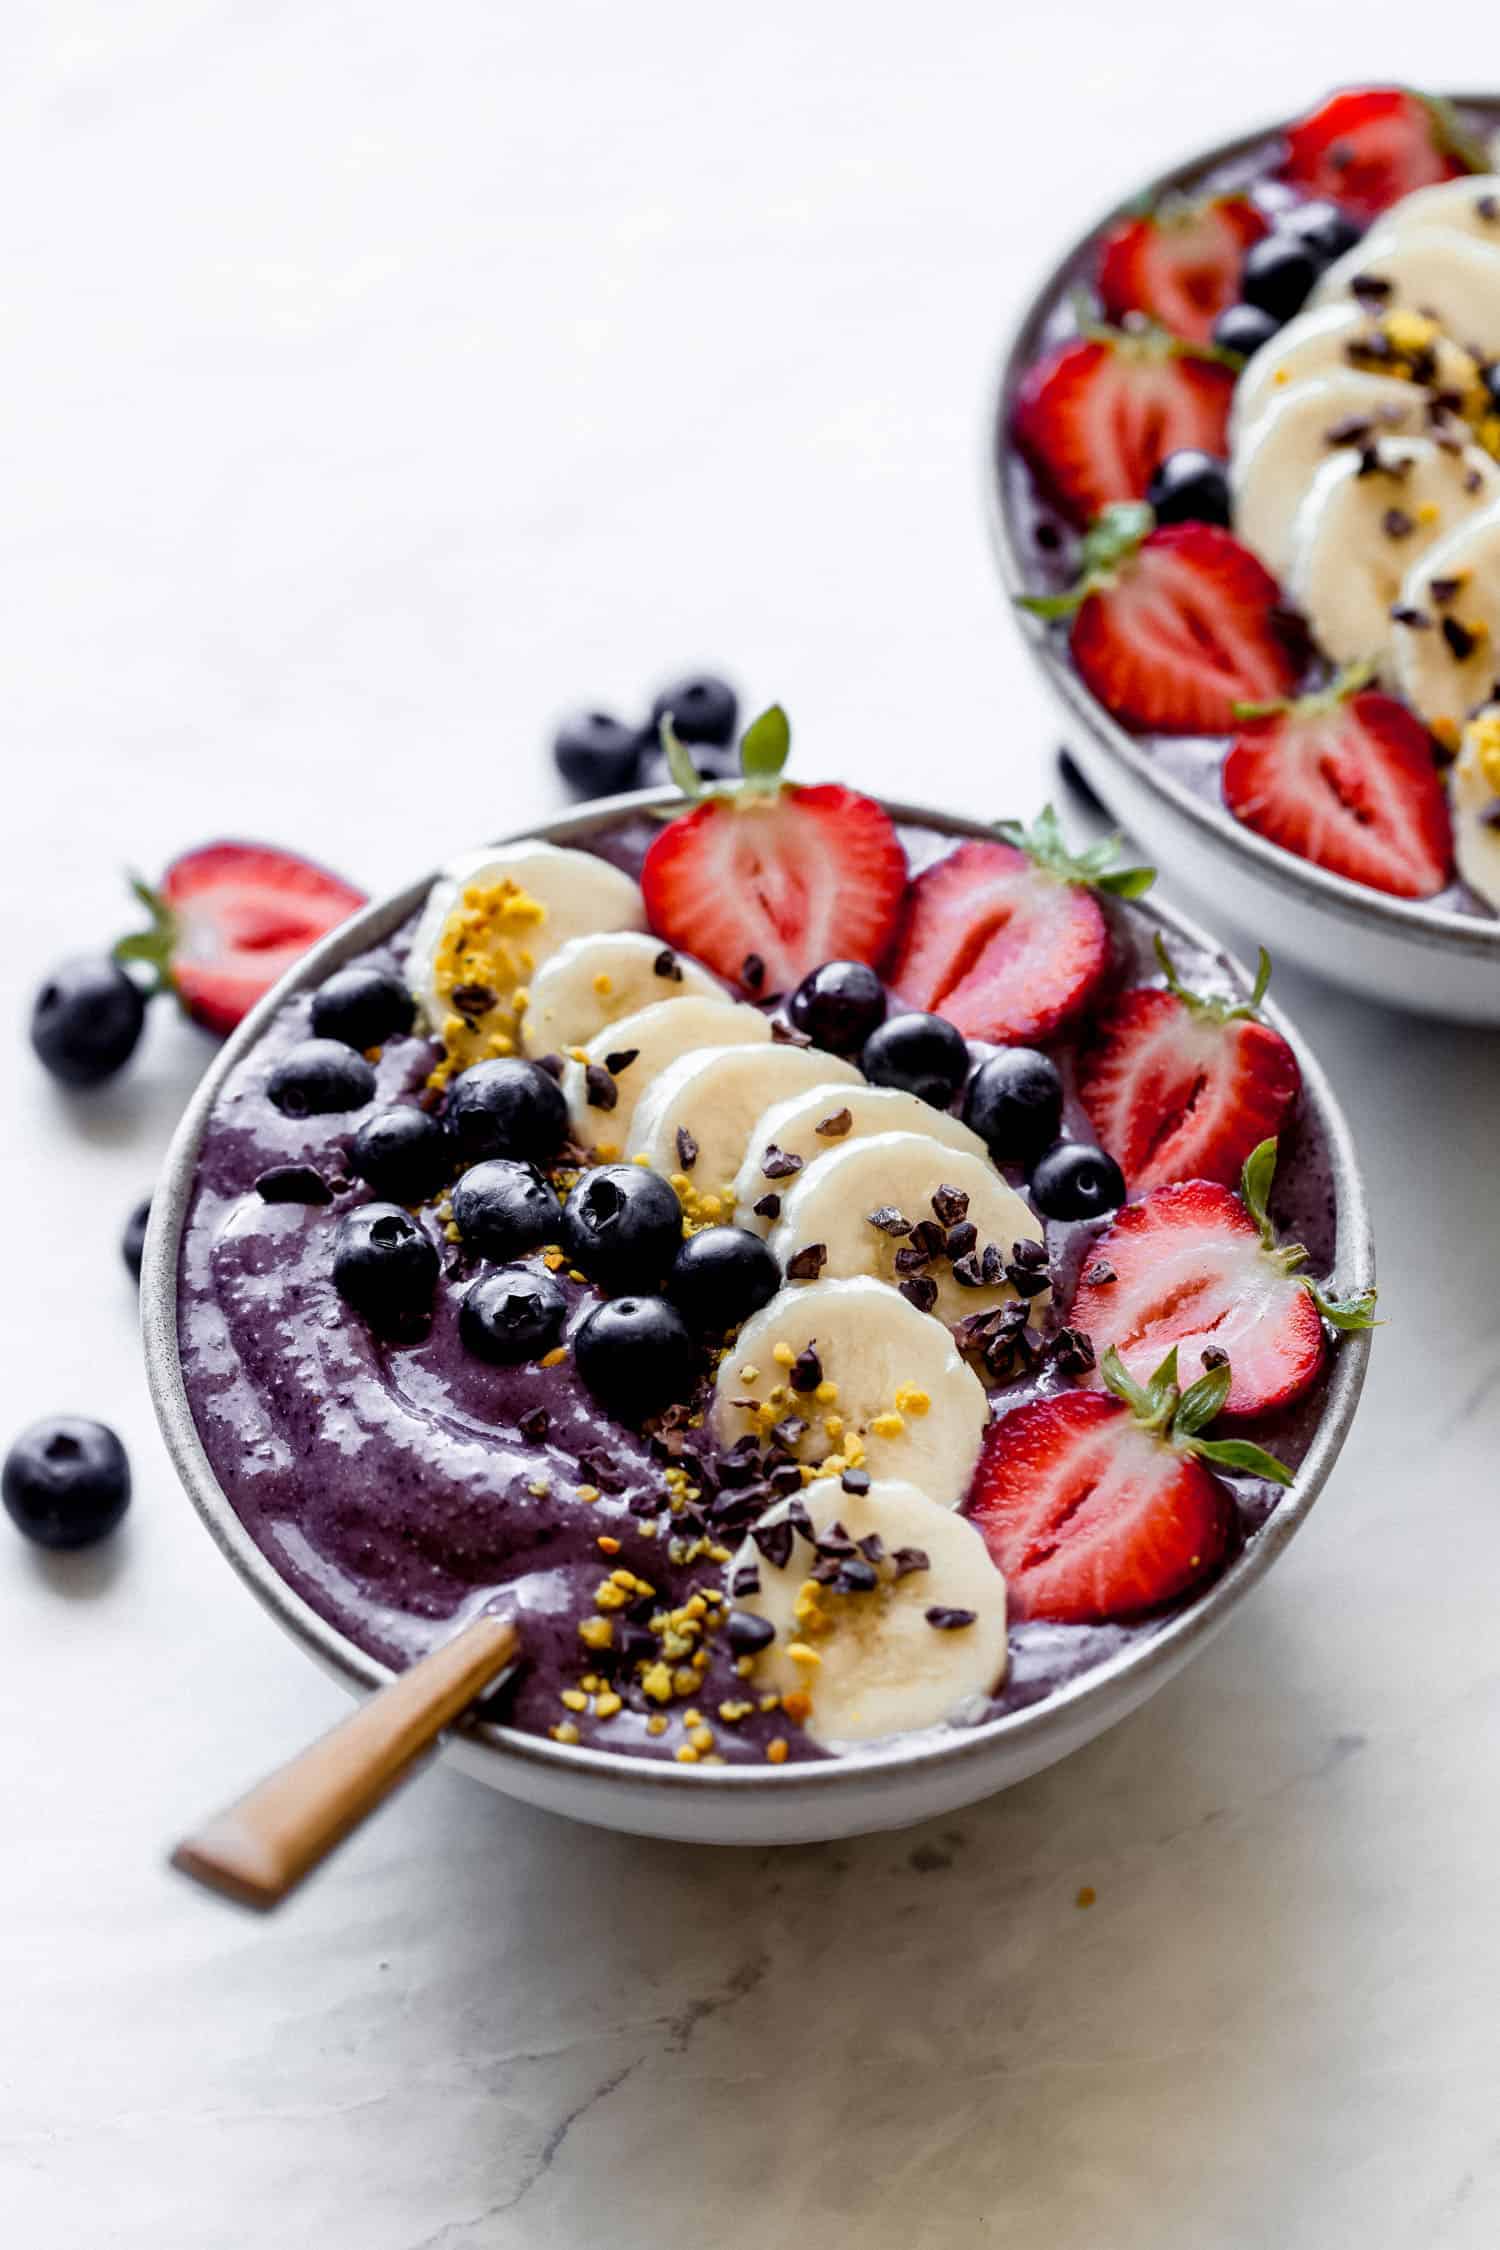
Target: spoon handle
x=259, y=1849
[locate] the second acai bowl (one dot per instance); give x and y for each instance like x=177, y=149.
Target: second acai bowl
x=866, y=1293
x=1245, y=492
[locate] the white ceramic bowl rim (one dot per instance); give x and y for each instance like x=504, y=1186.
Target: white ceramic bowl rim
x=1141, y=1662
x=1440, y=927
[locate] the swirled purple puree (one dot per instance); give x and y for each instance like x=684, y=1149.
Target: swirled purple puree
x=398, y=1488
x=1049, y=545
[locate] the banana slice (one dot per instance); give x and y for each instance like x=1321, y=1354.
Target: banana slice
x=1436, y=270
x=1283, y=449
x=490, y=920
x=812, y=1125
x=1447, y=628
x=694, y=1122
x=924, y=1643
x=1365, y=521
x=653, y=1038
x=900, y=1176
x=1474, y=790
x=1345, y=339
x=591, y=982
x=1470, y=205
x=890, y=1393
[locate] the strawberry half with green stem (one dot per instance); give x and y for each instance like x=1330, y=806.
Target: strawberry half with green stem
x=1097, y=416
x=1367, y=146
x=228, y=919
x=1345, y=778
x=1007, y=939
x=1171, y=626
x=1098, y=1507
x=1198, y=1267
x=764, y=880
x=1182, y=1087
x=1179, y=261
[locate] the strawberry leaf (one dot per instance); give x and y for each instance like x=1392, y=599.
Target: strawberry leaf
x=1239, y=1453
x=765, y=746
x=150, y=948
x=1162, y=1393
x=679, y=761
x=1202, y=1004
x=1118, y=1379
x=1451, y=135
x=1202, y=1402
x=1094, y=868
x=1111, y=539
x=1344, y=1313
x=1255, y=1188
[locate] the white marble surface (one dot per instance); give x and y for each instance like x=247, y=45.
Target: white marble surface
x=375, y=379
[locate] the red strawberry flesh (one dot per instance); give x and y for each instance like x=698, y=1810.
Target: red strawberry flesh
x=242, y=914
x=1091, y=1517
x=1181, y=264
x=1174, y=1094
x=1096, y=417
x=1366, y=147
x=1189, y=1270
x=1004, y=950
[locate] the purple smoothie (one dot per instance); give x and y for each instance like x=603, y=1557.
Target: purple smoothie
x=399, y=1487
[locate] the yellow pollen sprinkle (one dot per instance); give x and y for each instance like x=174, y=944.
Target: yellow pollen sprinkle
x=1428, y=512
x=769, y=1702
x=854, y=1450
x=606, y=1544
x=588, y=1493
x=656, y=1681
x=702, y=1738
x=610, y=1597
x=1484, y=741
x=597, y=1632
x=827, y=1394
x=451, y=1233
x=575, y=1699
x=567, y=1732
x=711, y=1207
x=910, y=1400
x=520, y=1000
x=578, y=1054
x=886, y=1425
x=777, y=1395
x=833, y=1426
x=608, y=1704
x=686, y=1755
x=539, y=1488
x=731, y=1713
x=749, y=1373
x=1446, y=732
x=776, y=1750
x=643, y=1161
x=604, y=984
x=783, y=1355
x=554, y=1358
x=797, y=1705
x=656, y=1724
x=800, y=1653
x=684, y=1680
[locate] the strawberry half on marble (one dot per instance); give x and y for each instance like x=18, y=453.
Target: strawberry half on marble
x=1007, y=939
x=1345, y=778
x=764, y=880
x=1096, y=417
x=1197, y=1268
x=228, y=920
x=1367, y=146
x=1178, y=1086
x=1172, y=626
x=1179, y=263
x=1102, y=1505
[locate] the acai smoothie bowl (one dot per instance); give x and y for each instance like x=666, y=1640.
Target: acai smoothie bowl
x=1244, y=480
x=862, y=1290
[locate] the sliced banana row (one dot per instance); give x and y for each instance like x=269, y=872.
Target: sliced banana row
x=698, y=1116
x=1283, y=449
x=912, y=1635
x=1345, y=339
x=1470, y=205
x=794, y=1134
x=1436, y=269
x=591, y=982
x=1448, y=631
x=886, y=1388
x=602, y=1101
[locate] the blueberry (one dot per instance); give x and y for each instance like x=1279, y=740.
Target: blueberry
x=720, y=1276
x=1243, y=329
x=502, y=1208
x=703, y=709
x=1326, y=230
x=623, y=1226
x=1190, y=487
x=362, y=1006
x=1278, y=274
x=66, y=1481
x=595, y=754
x=510, y=1316
x=1076, y=1181
x=1014, y=1103
x=86, y=1020
x=507, y=1108
x=319, y=1075
x=838, y=1006
x=636, y=1356
x=403, y=1153
x=133, y=1240
x=923, y=1055
x=384, y=1266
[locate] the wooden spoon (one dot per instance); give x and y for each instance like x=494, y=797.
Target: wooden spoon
x=260, y=1848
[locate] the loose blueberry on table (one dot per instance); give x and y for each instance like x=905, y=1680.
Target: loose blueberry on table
x=1262, y=490
x=561, y=1247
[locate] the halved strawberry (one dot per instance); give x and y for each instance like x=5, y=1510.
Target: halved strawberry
x=1096, y=416
x=1178, y=1087
x=228, y=919
x=1170, y=626
x=1007, y=939
x=1180, y=263
x=766, y=880
x=1367, y=146
x=1347, y=779
x=1192, y=1266
x=1097, y=1507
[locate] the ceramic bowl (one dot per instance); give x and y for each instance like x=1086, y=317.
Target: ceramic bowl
x=893, y=1785
x=1403, y=952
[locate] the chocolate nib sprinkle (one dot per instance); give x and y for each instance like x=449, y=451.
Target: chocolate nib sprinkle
x=1443, y=590
x=1397, y=524
x=554, y=1065
x=789, y=1431
x=1351, y=431
x=1461, y=641
x=1101, y=1275
x=752, y=972
x=835, y=1127
x=1487, y=206
x=293, y=1183
x=889, y=1220
x=1073, y=1351
x=921, y=1292
x=620, y=1060
x=856, y=1576
x=800, y=1521
x=748, y=1634
x=535, y=1425
x=687, y=1149
x=786, y=1035
x=911, y=1260
x=835, y=1541
x=1415, y=621
x=858, y=1481
x=774, y=1541
x=910, y=1559
x=962, y=1239
x=806, y=1371
x=600, y=1090
x=473, y=999
x=1369, y=287
x=991, y=1265
x=949, y=1620
x=779, y=1163
x=784, y=1478
x=806, y=1264
x=769, y=1207
x=745, y=1579
x=667, y=964
x=950, y=1204
x=928, y=1237
x=1214, y=1356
